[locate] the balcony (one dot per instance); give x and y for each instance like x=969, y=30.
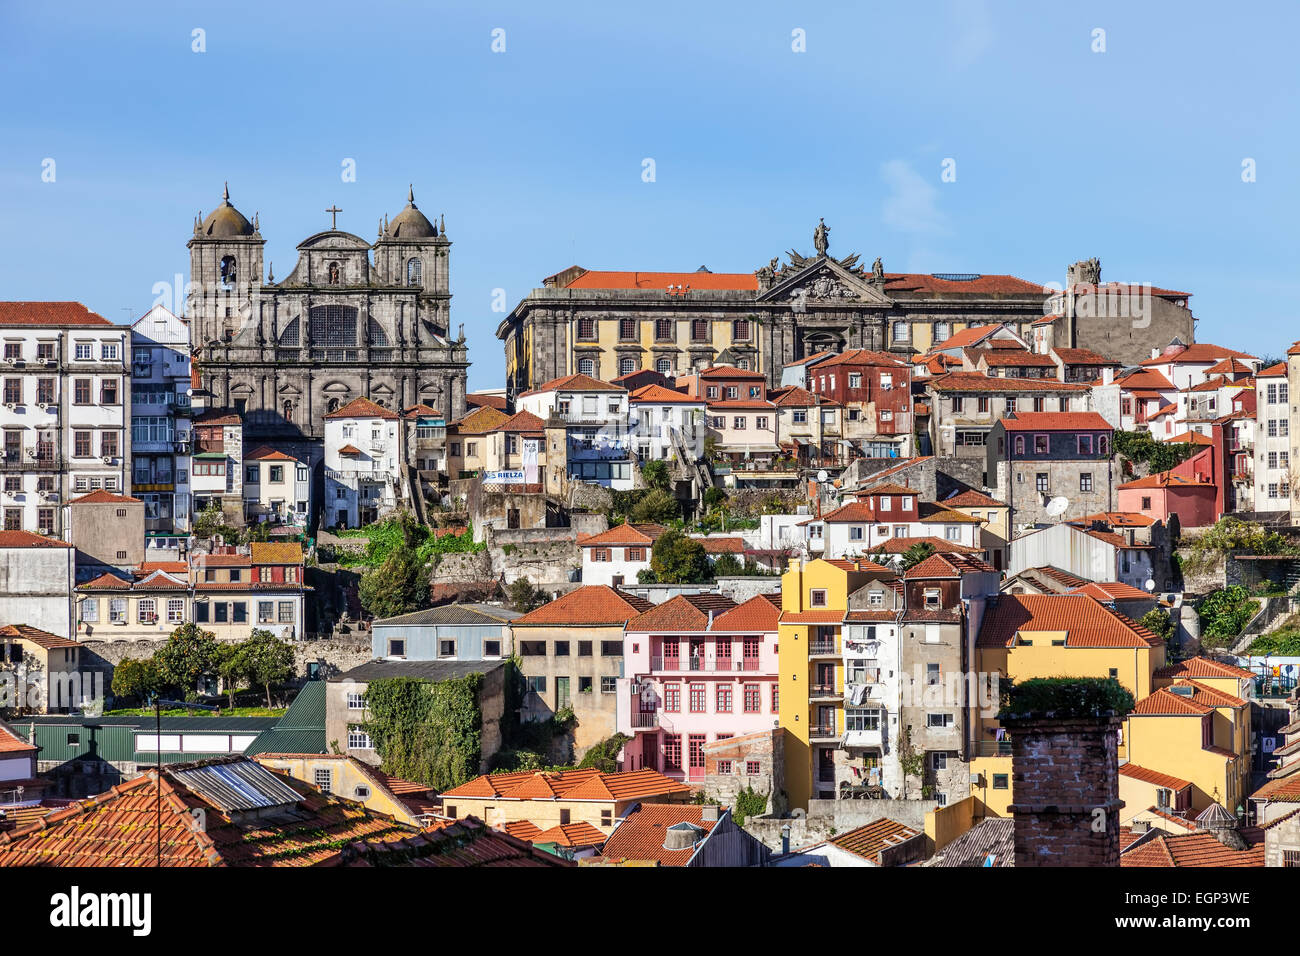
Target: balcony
x=645, y=720
x=857, y=739
x=991, y=748
x=12, y=460
x=822, y=692
x=824, y=647
x=823, y=732
x=708, y=665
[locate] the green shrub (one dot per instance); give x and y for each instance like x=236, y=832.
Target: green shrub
x=1066, y=697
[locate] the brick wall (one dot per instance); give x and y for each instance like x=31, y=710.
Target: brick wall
x=1065, y=776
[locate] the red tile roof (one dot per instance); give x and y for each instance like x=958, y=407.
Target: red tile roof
x=362, y=408
x=976, y=382
x=38, y=637
x=478, y=400
x=1050, y=421
x=1202, y=700
x=1282, y=790
x=950, y=565
x=729, y=545
x=1198, y=849
x=29, y=539
x=796, y=397
x=11, y=743
x=1005, y=358
x=1198, y=352
x=757, y=615
x=863, y=357
x=349, y=449
x=588, y=784
x=102, y=497
x=575, y=383
x=1203, y=667
x=967, y=337
x=480, y=421
x=623, y=534
x=592, y=605
x=50, y=313
x=596, y=279
x=1082, y=357
x=972, y=499
x=658, y=395
x=1148, y=379
x=1112, y=591
x=580, y=834
x=899, y=545
x=1085, y=620
x=1273, y=371
x=524, y=423
x=868, y=841
x=685, y=612
x=812, y=617
x=266, y=452
x=1144, y=775
x=641, y=834
x=413, y=411
x=1165, y=479
x=275, y=552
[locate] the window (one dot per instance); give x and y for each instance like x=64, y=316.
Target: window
x=938, y=720
x=611, y=648
x=751, y=768
x=1085, y=481
x=491, y=648
x=722, y=702
x=900, y=331
x=175, y=610
x=1001, y=781
x=817, y=598
x=414, y=268
x=356, y=701
x=939, y=760
x=672, y=698
x=13, y=391
x=1146, y=501
x=45, y=391
x=397, y=648
x=626, y=365
x=697, y=699
x=447, y=648
x=753, y=701
x=699, y=330
x=358, y=739
x=81, y=444
x=84, y=351
x=932, y=598
x=664, y=330
x=1085, y=444
x=1042, y=444
x=983, y=404
x=90, y=610
x=108, y=392
x=608, y=685
x=81, y=391
x=117, y=610
x=740, y=330
x=1040, y=482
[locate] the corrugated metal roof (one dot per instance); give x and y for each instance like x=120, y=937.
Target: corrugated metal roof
x=302, y=728
x=426, y=670
x=237, y=785
x=194, y=725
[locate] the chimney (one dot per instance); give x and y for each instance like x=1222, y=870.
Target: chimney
x=709, y=813
x=1107, y=375
x=1065, y=771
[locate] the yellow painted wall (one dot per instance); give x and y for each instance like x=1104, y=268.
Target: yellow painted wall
x=996, y=802
x=346, y=779
x=1172, y=745
x=545, y=814
x=945, y=824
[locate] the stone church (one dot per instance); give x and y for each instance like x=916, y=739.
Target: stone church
x=285, y=353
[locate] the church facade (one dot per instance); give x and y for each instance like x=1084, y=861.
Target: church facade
x=339, y=326
x=608, y=324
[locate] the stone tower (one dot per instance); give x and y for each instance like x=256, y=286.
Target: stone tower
x=225, y=272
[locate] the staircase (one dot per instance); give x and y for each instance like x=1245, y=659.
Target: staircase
x=697, y=467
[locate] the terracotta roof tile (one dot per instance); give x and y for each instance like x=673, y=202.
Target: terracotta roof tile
x=972, y=499
x=276, y=552
x=1085, y=620
x=975, y=382
x=685, y=612
x=588, y=784
x=1197, y=353
x=642, y=833
x=868, y=841
x=575, y=383
x=1050, y=421
x=592, y=605
x=477, y=399
x=38, y=637
x=624, y=534
x=28, y=539
x=70, y=314
x=580, y=834
x=658, y=395
x=760, y=614
x=596, y=279
x=523, y=423
x=266, y=452
x=1194, y=849
x=480, y=421
x=729, y=545
x=1203, y=667
x=102, y=497
x=1135, y=772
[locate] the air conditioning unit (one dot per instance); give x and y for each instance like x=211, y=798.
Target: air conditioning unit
x=976, y=779
x=11, y=361
x=44, y=361
x=42, y=405
x=109, y=459
x=45, y=495
x=44, y=531
x=11, y=405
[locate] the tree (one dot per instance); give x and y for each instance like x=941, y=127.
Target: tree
x=523, y=596
x=136, y=678
x=1157, y=621
x=189, y=654
x=398, y=586
x=728, y=565
x=656, y=507
x=232, y=669
x=678, y=559
x=713, y=497
x=266, y=660
x=916, y=553
x=655, y=474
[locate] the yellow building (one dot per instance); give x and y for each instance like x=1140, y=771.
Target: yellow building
x=1196, y=733
x=1024, y=636
x=814, y=602
x=467, y=441
x=404, y=800
x=559, y=798
x=995, y=533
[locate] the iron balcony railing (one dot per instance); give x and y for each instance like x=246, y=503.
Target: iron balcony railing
x=823, y=645
x=704, y=664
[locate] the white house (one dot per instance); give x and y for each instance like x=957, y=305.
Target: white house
x=277, y=487
x=160, y=423
x=615, y=557
x=1092, y=554
x=364, y=461
x=595, y=414
x=1272, y=440
x=883, y=514
x=655, y=413
x=37, y=578
x=64, y=406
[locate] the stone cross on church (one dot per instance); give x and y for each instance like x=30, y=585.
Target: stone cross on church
x=334, y=211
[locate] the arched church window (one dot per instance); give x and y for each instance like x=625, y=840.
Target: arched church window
x=332, y=405
x=626, y=365
x=334, y=273
x=291, y=336
x=378, y=337
x=586, y=366
x=413, y=272
x=940, y=332
x=228, y=270
x=664, y=366
x=333, y=332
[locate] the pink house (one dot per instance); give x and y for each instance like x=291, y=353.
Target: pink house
x=699, y=668
x=1192, y=490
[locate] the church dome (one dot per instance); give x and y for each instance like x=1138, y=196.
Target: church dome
x=226, y=220
x=410, y=223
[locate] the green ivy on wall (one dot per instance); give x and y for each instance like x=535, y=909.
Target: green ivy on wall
x=425, y=730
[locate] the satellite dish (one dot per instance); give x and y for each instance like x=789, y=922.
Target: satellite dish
x=822, y=475
x=1150, y=585
x=1057, y=506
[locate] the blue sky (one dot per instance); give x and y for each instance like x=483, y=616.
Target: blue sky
x=535, y=154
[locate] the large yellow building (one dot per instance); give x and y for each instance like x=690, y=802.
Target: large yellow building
x=814, y=603
x=1024, y=636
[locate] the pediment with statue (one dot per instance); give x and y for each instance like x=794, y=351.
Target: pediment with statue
x=821, y=278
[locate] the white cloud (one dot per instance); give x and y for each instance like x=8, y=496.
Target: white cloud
x=974, y=31
x=912, y=203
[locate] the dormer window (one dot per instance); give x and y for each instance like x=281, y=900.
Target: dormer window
x=932, y=598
